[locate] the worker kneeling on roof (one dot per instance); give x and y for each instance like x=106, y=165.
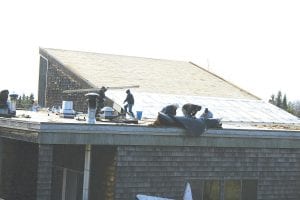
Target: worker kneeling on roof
x=190, y=110
x=207, y=114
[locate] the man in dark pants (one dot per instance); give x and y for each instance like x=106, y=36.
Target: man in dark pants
x=130, y=102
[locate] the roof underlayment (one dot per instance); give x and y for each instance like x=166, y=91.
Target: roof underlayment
x=229, y=110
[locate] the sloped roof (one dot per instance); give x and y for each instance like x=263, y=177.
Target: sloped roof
x=152, y=75
x=228, y=109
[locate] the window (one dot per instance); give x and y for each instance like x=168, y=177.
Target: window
x=249, y=189
x=211, y=190
x=232, y=190
x=224, y=189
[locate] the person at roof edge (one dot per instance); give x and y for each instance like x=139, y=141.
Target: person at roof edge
x=207, y=114
x=190, y=110
x=130, y=102
x=170, y=109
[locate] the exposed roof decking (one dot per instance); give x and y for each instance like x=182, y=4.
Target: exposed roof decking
x=153, y=75
x=230, y=110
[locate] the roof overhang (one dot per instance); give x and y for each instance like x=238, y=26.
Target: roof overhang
x=121, y=134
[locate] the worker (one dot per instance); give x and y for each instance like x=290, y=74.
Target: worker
x=190, y=110
x=206, y=114
x=170, y=109
x=101, y=99
x=130, y=102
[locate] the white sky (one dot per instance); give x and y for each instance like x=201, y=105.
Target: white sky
x=255, y=44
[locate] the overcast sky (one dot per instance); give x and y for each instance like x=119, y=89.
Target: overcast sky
x=254, y=44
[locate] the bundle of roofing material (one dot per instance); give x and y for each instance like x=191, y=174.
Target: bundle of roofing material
x=193, y=126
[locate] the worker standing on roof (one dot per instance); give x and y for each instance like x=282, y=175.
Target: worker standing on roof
x=207, y=114
x=130, y=102
x=101, y=99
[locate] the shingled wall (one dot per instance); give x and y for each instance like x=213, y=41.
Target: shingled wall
x=58, y=80
x=163, y=171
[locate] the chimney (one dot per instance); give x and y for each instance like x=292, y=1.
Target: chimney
x=13, y=103
x=67, y=110
x=92, y=102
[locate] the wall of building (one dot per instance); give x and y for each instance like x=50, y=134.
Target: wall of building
x=57, y=81
x=164, y=171
x=18, y=170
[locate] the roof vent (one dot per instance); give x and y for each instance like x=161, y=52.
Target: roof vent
x=91, y=99
x=67, y=110
x=108, y=113
x=13, y=103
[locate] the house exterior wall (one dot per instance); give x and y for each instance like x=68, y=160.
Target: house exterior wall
x=131, y=160
x=163, y=171
x=59, y=78
x=57, y=82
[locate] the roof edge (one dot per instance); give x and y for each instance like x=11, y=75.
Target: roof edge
x=117, y=54
x=226, y=81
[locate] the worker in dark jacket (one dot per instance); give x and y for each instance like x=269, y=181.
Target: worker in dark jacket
x=130, y=102
x=170, y=109
x=101, y=99
x=190, y=110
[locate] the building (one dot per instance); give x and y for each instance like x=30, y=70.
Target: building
x=256, y=155
x=64, y=70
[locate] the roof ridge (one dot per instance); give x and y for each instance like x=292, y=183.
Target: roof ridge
x=110, y=54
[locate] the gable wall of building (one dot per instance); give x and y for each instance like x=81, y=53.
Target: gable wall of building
x=59, y=80
x=163, y=171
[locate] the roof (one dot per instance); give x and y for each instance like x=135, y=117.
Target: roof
x=152, y=75
x=228, y=109
x=50, y=129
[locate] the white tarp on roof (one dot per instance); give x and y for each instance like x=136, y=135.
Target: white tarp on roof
x=230, y=110
x=146, y=197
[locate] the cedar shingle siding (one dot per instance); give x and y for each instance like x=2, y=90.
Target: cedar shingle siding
x=163, y=171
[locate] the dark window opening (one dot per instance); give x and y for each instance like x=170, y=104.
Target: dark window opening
x=211, y=190
x=224, y=189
